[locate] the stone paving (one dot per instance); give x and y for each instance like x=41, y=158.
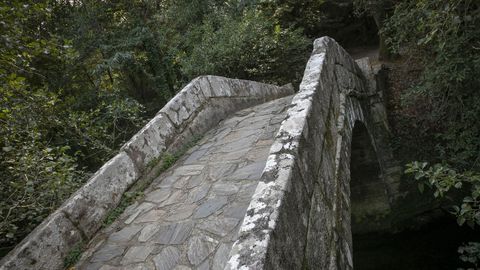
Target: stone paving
x=190, y=215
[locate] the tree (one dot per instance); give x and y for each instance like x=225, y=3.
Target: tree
x=446, y=36
x=259, y=50
x=50, y=139
x=445, y=104
x=78, y=79
x=378, y=10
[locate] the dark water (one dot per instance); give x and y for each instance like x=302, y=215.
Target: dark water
x=433, y=247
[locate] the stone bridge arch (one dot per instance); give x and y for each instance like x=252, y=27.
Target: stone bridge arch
x=369, y=200
x=330, y=150
x=300, y=216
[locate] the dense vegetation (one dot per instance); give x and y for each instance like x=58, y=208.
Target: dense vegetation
x=441, y=113
x=438, y=120
x=79, y=77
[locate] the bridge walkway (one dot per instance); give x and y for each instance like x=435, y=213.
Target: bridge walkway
x=190, y=215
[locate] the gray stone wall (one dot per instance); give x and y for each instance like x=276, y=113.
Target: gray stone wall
x=299, y=216
x=194, y=110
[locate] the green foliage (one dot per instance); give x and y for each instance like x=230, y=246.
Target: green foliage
x=443, y=108
x=470, y=253
x=50, y=138
x=79, y=78
x=443, y=179
x=306, y=15
x=445, y=104
x=128, y=198
x=74, y=255
x=259, y=50
x=166, y=161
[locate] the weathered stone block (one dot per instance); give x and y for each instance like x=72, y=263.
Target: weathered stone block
x=89, y=206
x=151, y=141
x=221, y=87
x=45, y=247
x=184, y=105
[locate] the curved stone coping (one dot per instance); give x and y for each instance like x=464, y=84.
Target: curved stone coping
x=300, y=178
x=194, y=110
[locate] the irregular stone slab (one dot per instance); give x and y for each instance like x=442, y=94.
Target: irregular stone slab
x=247, y=137
x=231, y=156
x=246, y=192
x=236, y=210
x=220, y=135
x=173, y=234
x=144, y=207
x=141, y=266
x=219, y=226
x=176, y=197
x=258, y=153
x=189, y=170
x=108, y=252
x=196, y=155
x=182, y=267
x=151, y=216
x=181, y=212
x=148, y=231
x=242, y=143
x=217, y=172
x=221, y=256
x=199, y=247
x=168, y=181
x=167, y=259
x=125, y=234
x=210, y=206
x=158, y=195
x=137, y=254
x=224, y=189
x=205, y=265
x=181, y=182
x=198, y=193
x=196, y=180
x=251, y=171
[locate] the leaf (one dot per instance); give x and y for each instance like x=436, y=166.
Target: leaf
x=419, y=175
x=460, y=221
x=421, y=187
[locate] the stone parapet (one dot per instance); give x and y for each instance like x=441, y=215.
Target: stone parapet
x=300, y=213
x=198, y=107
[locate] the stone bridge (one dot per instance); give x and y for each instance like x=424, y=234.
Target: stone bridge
x=278, y=180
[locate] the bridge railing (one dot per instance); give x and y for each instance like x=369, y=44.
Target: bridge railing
x=299, y=217
x=194, y=110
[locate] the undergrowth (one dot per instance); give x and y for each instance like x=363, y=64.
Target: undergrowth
x=74, y=255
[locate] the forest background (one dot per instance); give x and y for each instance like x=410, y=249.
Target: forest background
x=79, y=77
